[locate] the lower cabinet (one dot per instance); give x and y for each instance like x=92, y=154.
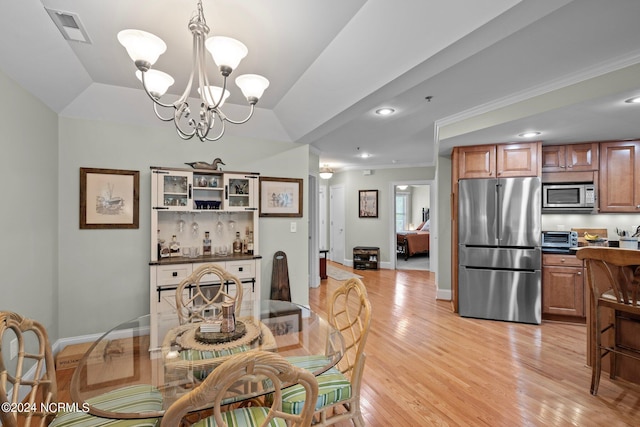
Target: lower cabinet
x=164, y=280
x=563, y=288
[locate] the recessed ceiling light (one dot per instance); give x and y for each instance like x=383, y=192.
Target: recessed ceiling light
x=634, y=100
x=528, y=134
x=385, y=111
x=365, y=155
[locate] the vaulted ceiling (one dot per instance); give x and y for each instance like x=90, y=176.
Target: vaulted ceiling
x=457, y=72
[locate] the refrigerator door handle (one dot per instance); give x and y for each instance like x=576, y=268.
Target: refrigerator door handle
x=498, y=212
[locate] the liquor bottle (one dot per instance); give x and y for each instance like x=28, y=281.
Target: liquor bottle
x=206, y=244
x=174, y=246
x=250, y=243
x=237, y=244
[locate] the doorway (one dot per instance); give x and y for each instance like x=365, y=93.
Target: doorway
x=411, y=227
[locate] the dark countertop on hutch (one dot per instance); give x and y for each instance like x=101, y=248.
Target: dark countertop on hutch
x=212, y=258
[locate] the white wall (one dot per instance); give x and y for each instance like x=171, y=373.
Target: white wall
x=29, y=213
x=419, y=199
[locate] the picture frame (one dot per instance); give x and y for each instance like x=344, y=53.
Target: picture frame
x=113, y=362
x=285, y=327
x=109, y=198
x=368, y=203
x=280, y=197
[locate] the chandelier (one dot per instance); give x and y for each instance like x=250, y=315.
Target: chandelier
x=326, y=172
x=144, y=49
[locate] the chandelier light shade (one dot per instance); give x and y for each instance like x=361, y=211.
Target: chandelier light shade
x=145, y=48
x=326, y=172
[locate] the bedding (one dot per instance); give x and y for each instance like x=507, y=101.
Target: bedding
x=411, y=243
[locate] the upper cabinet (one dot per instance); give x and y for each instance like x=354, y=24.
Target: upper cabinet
x=499, y=161
x=199, y=190
x=174, y=190
x=241, y=192
x=574, y=157
x=620, y=176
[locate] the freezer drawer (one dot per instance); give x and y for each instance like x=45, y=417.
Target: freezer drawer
x=513, y=296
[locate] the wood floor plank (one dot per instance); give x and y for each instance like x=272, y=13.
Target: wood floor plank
x=427, y=366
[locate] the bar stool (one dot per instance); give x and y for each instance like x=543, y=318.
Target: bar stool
x=614, y=280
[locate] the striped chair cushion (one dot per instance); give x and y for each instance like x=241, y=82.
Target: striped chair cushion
x=137, y=398
x=191, y=355
x=243, y=417
x=333, y=386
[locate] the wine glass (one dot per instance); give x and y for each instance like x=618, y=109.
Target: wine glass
x=219, y=226
x=232, y=224
x=181, y=223
x=195, y=227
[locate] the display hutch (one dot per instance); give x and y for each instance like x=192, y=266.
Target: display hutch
x=187, y=203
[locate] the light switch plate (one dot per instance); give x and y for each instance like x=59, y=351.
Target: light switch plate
x=294, y=227
x=13, y=349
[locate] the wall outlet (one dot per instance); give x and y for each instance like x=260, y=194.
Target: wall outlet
x=13, y=349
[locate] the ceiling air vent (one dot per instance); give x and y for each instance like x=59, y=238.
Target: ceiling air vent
x=69, y=25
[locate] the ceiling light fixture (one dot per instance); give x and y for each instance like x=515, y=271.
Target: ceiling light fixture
x=634, y=100
x=326, y=172
x=145, y=48
x=528, y=134
x=385, y=111
x=402, y=187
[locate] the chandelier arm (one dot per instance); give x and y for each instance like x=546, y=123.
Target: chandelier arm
x=176, y=121
x=225, y=118
x=158, y=115
x=217, y=137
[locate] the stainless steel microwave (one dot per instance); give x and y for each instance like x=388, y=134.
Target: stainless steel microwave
x=580, y=197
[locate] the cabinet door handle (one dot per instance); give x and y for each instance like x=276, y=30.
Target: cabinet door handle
x=579, y=273
x=562, y=260
x=174, y=274
x=240, y=269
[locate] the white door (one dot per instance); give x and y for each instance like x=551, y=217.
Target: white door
x=336, y=224
x=322, y=216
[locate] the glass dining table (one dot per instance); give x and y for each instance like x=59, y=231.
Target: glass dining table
x=121, y=377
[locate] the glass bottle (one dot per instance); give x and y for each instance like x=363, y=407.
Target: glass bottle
x=250, y=243
x=237, y=244
x=174, y=246
x=206, y=244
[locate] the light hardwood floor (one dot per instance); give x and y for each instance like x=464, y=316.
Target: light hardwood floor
x=427, y=366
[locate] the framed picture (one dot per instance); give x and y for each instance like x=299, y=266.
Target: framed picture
x=285, y=327
x=109, y=198
x=280, y=197
x=113, y=362
x=368, y=204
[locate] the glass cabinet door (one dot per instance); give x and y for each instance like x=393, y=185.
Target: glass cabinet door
x=240, y=192
x=175, y=190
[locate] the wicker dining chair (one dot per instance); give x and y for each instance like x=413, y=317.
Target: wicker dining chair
x=339, y=387
x=252, y=366
x=614, y=280
x=196, y=301
x=32, y=379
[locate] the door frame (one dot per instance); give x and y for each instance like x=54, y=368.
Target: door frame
x=433, y=230
x=331, y=230
x=314, y=249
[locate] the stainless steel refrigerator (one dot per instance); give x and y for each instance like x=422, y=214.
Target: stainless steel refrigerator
x=499, y=236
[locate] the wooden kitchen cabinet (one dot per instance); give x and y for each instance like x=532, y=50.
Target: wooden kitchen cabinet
x=499, y=161
x=619, y=176
x=572, y=157
x=563, y=288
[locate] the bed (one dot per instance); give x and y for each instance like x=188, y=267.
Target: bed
x=413, y=242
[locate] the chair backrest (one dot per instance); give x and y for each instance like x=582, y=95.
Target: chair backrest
x=34, y=350
x=251, y=366
x=613, y=269
x=350, y=313
x=203, y=301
